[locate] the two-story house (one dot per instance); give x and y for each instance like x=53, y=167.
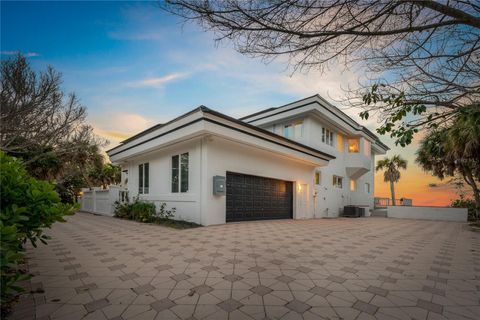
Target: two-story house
x=306, y=159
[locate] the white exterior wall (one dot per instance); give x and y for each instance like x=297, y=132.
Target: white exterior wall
x=221, y=155
x=428, y=213
x=330, y=200
x=160, y=163
x=210, y=156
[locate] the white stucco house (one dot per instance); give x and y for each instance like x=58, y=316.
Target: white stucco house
x=306, y=159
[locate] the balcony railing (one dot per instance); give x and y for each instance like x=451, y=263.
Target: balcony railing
x=384, y=202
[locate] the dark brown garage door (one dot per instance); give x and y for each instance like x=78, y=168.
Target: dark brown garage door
x=258, y=198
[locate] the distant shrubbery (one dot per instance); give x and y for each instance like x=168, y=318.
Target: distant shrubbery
x=466, y=203
x=143, y=211
x=27, y=206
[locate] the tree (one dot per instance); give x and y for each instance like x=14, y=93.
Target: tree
x=47, y=128
x=105, y=174
x=454, y=149
x=27, y=207
x=39, y=122
x=392, y=171
x=420, y=59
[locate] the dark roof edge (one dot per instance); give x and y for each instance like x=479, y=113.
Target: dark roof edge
x=240, y=122
x=231, y=119
x=274, y=108
x=153, y=128
x=362, y=128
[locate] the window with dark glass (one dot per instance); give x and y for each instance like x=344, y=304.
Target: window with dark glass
x=180, y=173
x=175, y=173
x=143, y=178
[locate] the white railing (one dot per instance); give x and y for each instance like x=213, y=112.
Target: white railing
x=102, y=201
x=385, y=202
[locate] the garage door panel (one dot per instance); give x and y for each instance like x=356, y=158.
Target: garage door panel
x=256, y=198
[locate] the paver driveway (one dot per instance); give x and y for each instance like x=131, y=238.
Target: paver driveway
x=104, y=268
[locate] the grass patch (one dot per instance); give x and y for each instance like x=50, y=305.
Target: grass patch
x=177, y=224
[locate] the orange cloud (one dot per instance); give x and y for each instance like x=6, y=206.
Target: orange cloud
x=415, y=184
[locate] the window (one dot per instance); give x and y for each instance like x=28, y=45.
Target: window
x=327, y=136
x=340, y=146
x=180, y=173
x=318, y=177
x=366, y=149
x=353, y=185
x=338, y=182
x=293, y=130
x=143, y=178
x=367, y=187
x=353, y=145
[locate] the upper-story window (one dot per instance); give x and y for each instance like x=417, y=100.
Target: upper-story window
x=366, y=149
x=338, y=182
x=143, y=178
x=340, y=146
x=353, y=185
x=318, y=177
x=180, y=173
x=293, y=130
x=327, y=136
x=353, y=145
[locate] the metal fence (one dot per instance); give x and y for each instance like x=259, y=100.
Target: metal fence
x=385, y=202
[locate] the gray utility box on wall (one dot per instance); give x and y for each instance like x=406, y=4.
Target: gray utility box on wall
x=219, y=185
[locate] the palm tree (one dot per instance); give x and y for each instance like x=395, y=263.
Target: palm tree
x=392, y=171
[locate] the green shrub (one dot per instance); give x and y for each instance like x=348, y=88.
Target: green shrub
x=146, y=212
x=27, y=206
x=138, y=211
x=466, y=203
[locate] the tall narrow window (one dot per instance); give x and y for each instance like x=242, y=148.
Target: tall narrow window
x=184, y=172
x=318, y=177
x=366, y=148
x=353, y=185
x=180, y=173
x=140, y=178
x=340, y=146
x=367, y=187
x=143, y=178
x=327, y=136
x=175, y=173
x=288, y=131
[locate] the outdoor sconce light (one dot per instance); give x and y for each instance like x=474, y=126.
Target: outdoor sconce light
x=219, y=185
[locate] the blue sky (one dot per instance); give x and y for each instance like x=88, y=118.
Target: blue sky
x=133, y=62
x=133, y=66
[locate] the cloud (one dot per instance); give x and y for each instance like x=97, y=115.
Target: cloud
x=27, y=54
x=120, y=125
x=159, y=81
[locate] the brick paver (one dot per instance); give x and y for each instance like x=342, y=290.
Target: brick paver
x=105, y=268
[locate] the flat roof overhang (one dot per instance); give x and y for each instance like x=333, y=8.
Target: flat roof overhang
x=203, y=121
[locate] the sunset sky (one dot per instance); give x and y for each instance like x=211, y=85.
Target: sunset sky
x=134, y=66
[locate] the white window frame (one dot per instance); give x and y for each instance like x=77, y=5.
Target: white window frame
x=327, y=136
x=337, y=181
x=295, y=135
x=181, y=178
x=141, y=178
